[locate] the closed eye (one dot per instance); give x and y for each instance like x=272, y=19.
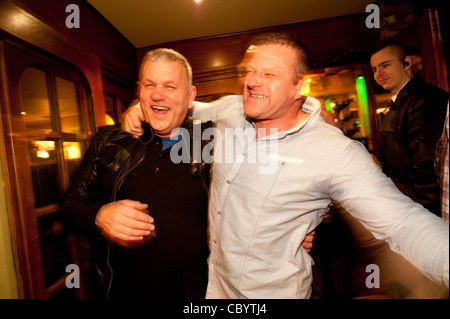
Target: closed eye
x=149, y=85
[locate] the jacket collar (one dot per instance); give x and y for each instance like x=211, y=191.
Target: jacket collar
x=407, y=88
x=148, y=134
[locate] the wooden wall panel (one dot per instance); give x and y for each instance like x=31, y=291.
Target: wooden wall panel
x=42, y=24
x=95, y=34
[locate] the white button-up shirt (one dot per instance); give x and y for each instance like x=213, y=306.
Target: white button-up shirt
x=268, y=193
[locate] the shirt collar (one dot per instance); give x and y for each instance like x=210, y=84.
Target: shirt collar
x=310, y=106
x=394, y=97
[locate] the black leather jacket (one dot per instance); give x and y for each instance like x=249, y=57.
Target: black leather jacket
x=408, y=138
x=112, y=155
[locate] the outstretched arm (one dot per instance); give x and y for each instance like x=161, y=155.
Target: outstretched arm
x=372, y=198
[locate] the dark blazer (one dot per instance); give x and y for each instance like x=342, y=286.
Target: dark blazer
x=408, y=138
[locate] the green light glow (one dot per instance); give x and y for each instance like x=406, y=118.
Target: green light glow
x=364, y=105
x=328, y=105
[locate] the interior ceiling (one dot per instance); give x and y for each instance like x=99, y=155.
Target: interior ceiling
x=149, y=22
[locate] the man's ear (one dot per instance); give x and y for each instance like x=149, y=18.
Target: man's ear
x=192, y=94
x=298, y=86
x=407, y=62
x=408, y=65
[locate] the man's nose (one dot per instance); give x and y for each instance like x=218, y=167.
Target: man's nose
x=375, y=74
x=254, y=79
x=157, y=94
x=379, y=72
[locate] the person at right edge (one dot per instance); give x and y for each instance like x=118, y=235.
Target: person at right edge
x=411, y=127
x=409, y=132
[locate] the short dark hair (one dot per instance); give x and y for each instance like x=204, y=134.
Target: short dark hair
x=303, y=56
x=400, y=49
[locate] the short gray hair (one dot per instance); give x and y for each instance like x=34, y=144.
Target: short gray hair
x=167, y=55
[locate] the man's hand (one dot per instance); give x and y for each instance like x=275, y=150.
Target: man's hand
x=126, y=223
x=131, y=120
x=308, y=241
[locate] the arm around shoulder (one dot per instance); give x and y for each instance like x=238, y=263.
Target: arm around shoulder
x=211, y=111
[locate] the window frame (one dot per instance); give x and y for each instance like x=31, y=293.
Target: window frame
x=24, y=219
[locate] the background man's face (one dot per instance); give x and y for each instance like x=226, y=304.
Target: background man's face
x=388, y=70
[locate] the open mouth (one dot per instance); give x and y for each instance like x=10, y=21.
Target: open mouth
x=258, y=96
x=160, y=109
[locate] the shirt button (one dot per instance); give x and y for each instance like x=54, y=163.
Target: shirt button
x=219, y=212
x=215, y=241
x=283, y=163
x=228, y=182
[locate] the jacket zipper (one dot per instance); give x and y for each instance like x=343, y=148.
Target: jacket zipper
x=118, y=180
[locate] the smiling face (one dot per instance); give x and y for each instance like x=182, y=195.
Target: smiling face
x=165, y=95
x=389, y=70
x=271, y=86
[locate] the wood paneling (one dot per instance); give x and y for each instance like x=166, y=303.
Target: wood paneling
x=95, y=34
x=42, y=25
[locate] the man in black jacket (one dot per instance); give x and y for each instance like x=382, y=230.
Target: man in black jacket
x=411, y=127
x=126, y=190
x=409, y=132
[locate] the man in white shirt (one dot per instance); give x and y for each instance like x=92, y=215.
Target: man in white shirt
x=286, y=171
